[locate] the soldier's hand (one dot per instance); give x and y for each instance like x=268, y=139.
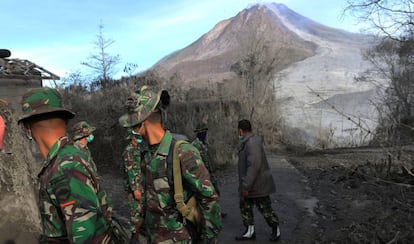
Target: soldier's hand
x=138, y=225
x=134, y=239
x=137, y=195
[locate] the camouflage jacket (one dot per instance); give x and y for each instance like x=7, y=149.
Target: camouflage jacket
x=132, y=167
x=85, y=149
x=73, y=208
x=163, y=221
x=203, y=149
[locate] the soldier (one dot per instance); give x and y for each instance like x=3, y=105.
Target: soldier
x=132, y=170
x=255, y=183
x=72, y=204
x=163, y=221
x=200, y=142
x=82, y=135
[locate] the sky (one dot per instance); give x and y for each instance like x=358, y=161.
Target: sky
x=59, y=34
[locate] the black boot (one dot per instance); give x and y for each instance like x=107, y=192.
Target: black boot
x=275, y=236
x=248, y=234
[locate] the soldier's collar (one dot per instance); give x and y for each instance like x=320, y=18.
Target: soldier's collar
x=164, y=146
x=53, y=152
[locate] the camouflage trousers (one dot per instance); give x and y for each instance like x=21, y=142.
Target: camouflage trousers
x=264, y=206
x=133, y=206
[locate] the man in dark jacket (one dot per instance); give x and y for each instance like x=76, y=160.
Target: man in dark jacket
x=255, y=183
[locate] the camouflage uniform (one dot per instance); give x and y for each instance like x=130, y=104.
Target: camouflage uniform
x=72, y=205
x=203, y=149
x=85, y=149
x=132, y=170
x=80, y=130
x=73, y=208
x=164, y=223
x=264, y=205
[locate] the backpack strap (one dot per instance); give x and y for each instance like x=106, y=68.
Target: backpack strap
x=189, y=210
x=170, y=162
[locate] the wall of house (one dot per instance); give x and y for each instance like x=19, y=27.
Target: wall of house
x=12, y=90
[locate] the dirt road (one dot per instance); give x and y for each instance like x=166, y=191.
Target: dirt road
x=328, y=198
x=292, y=202
x=335, y=196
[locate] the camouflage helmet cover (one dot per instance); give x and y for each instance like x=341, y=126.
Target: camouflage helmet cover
x=130, y=119
x=82, y=129
x=41, y=101
x=141, y=104
x=201, y=127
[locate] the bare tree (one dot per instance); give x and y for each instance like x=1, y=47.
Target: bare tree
x=257, y=67
x=261, y=59
x=392, y=61
x=394, y=19
x=130, y=69
x=102, y=63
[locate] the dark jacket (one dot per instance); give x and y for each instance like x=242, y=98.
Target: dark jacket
x=254, y=171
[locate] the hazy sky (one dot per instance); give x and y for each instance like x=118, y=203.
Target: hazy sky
x=59, y=34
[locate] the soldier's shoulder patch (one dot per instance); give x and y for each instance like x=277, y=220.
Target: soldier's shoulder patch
x=65, y=204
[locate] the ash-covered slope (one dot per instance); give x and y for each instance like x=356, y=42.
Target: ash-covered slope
x=329, y=73
x=211, y=56
x=322, y=63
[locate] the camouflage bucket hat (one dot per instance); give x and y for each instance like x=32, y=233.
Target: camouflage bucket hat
x=42, y=101
x=201, y=127
x=130, y=119
x=141, y=104
x=82, y=129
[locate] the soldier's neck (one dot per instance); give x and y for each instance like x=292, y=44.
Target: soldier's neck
x=155, y=135
x=45, y=143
